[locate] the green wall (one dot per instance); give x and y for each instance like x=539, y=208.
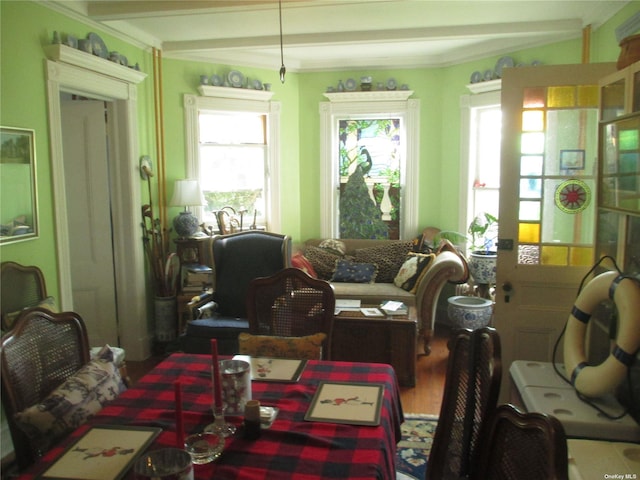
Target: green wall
x=26, y=27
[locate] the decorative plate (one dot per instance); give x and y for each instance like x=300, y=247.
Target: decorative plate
x=216, y=81
x=350, y=85
x=97, y=45
x=476, y=77
x=572, y=196
x=72, y=41
x=257, y=84
x=504, y=62
x=236, y=79
x=488, y=75
x=391, y=84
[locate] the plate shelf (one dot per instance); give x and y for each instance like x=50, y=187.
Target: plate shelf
x=369, y=96
x=66, y=54
x=237, y=93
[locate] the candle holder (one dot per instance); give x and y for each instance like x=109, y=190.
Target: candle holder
x=219, y=425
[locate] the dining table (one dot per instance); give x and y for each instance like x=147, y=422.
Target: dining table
x=293, y=447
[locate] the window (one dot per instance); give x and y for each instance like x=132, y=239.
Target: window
x=480, y=168
x=233, y=149
x=379, y=132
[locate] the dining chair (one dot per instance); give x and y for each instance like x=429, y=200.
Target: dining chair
x=41, y=351
x=289, y=304
x=472, y=385
x=521, y=446
x=237, y=259
x=20, y=287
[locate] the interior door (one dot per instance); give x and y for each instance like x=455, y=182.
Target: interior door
x=547, y=204
x=87, y=186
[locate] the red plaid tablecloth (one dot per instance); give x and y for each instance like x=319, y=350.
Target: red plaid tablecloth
x=291, y=448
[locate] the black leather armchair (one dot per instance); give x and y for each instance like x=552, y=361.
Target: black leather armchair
x=237, y=259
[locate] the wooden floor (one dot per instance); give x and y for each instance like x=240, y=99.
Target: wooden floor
x=425, y=397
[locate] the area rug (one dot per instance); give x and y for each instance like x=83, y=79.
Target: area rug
x=413, y=450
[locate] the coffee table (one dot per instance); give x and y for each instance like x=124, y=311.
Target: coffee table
x=387, y=339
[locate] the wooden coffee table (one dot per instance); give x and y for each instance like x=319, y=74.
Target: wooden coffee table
x=388, y=339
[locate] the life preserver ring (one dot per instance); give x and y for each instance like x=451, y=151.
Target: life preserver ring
x=596, y=381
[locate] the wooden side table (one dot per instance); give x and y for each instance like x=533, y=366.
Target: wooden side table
x=192, y=249
x=389, y=339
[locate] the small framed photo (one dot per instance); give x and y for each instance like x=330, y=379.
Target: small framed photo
x=344, y=402
x=572, y=159
x=104, y=452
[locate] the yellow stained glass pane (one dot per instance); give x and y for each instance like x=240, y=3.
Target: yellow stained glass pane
x=532, y=121
x=533, y=97
x=529, y=233
x=581, y=256
x=558, y=97
x=554, y=255
x=588, y=95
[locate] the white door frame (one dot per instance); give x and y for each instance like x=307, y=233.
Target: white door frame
x=128, y=249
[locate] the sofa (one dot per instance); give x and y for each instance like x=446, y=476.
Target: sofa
x=374, y=271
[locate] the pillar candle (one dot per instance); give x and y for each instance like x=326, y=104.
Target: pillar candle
x=179, y=420
x=217, y=391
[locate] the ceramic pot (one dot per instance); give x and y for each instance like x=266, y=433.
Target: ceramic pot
x=482, y=266
x=166, y=318
x=469, y=312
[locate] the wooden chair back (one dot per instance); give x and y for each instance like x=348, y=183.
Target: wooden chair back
x=20, y=287
x=41, y=351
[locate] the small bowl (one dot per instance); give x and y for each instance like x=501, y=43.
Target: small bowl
x=204, y=447
x=165, y=464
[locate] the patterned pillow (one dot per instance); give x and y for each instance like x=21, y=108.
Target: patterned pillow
x=304, y=348
x=352, y=272
x=322, y=260
x=334, y=245
x=71, y=404
x=298, y=260
x=412, y=270
x=388, y=257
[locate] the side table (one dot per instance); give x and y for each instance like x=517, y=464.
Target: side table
x=388, y=339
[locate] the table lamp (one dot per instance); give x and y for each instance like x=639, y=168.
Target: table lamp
x=187, y=193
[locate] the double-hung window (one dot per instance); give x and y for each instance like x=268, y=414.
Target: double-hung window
x=233, y=152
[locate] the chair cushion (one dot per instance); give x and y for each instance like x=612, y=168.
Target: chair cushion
x=389, y=257
x=413, y=268
x=71, y=404
x=306, y=348
x=353, y=272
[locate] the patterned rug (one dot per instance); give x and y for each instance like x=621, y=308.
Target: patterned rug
x=413, y=449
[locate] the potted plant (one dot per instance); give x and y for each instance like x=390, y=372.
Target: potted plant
x=483, y=255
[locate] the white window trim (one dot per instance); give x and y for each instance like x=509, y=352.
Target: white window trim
x=373, y=104
x=467, y=104
x=238, y=100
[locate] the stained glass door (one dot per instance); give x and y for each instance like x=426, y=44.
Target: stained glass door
x=547, y=203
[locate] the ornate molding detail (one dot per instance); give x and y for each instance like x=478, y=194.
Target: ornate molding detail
x=235, y=93
x=373, y=96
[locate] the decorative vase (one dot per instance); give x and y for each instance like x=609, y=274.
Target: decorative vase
x=166, y=318
x=482, y=267
x=186, y=224
x=469, y=312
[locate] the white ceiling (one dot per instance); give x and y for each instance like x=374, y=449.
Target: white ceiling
x=345, y=34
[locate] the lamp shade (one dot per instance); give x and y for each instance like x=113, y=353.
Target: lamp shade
x=187, y=193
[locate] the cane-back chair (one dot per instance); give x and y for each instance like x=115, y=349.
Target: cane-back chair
x=471, y=389
x=291, y=303
x=521, y=446
x=41, y=351
x=20, y=287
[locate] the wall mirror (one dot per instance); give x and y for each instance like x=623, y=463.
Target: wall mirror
x=18, y=199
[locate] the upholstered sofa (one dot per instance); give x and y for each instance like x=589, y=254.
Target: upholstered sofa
x=418, y=287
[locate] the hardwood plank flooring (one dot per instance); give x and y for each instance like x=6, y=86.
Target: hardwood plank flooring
x=425, y=397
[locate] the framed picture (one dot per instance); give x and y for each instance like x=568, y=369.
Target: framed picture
x=276, y=369
x=571, y=159
x=105, y=452
x=344, y=402
x=18, y=197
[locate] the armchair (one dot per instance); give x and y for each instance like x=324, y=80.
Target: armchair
x=237, y=259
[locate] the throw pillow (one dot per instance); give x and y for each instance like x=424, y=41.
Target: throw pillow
x=305, y=348
x=412, y=270
x=389, y=257
x=322, y=260
x=334, y=245
x=298, y=260
x=353, y=272
x=71, y=404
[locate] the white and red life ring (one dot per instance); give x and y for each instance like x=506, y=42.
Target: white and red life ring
x=598, y=380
